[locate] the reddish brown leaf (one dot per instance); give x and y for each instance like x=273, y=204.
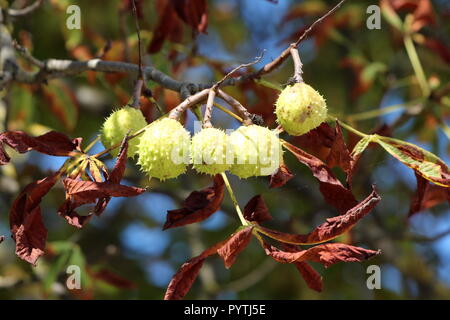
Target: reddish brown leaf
x=317, y=142
x=328, y=144
x=67, y=211
x=198, y=206
x=427, y=196
x=312, y=278
x=256, y=210
x=89, y=191
x=120, y=165
x=182, y=281
x=339, y=155
x=194, y=13
x=172, y=12
x=326, y=254
x=52, y=143
x=235, y=245
x=280, y=177
x=25, y=219
x=79, y=192
x=115, y=176
x=438, y=47
x=422, y=11
x=332, y=189
x=113, y=279
x=166, y=24
x=331, y=228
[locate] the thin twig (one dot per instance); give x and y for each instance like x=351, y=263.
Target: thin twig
x=286, y=53
x=27, y=55
x=137, y=93
x=138, y=31
x=318, y=21
x=240, y=109
x=208, y=110
x=187, y=103
x=140, y=78
x=298, y=65
x=25, y=11
x=244, y=65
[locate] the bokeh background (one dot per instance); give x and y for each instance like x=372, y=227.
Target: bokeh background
x=125, y=254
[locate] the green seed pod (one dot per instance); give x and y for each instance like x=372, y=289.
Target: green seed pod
x=208, y=151
x=164, y=149
x=256, y=151
x=118, y=124
x=300, y=108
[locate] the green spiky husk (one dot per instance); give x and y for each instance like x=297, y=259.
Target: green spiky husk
x=257, y=151
x=164, y=149
x=300, y=108
x=208, y=151
x=118, y=124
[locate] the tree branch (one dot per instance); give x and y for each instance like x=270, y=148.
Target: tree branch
x=287, y=52
x=59, y=68
x=25, y=11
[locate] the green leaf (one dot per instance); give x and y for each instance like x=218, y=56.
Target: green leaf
x=391, y=16
x=56, y=268
x=22, y=107
x=422, y=161
x=62, y=103
x=361, y=146
x=77, y=258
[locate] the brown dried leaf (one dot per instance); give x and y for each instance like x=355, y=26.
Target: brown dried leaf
x=331, y=228
x=312, y=278
x=67, y=211
x=332, y=189
x=25, y=219
x=194, y=13
x=182, y=281
x=121, y=162
x=172, y=12
x=198, y=206
x=89, y=191
x=326, y=254
x=113, y=279
x=115, y=176
x=422, y=11
x=427, y=196
x=52, y=143
x=235, y=245
x=79, y=192
x=339, y=155
x=256, y=210
x=280, y=177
